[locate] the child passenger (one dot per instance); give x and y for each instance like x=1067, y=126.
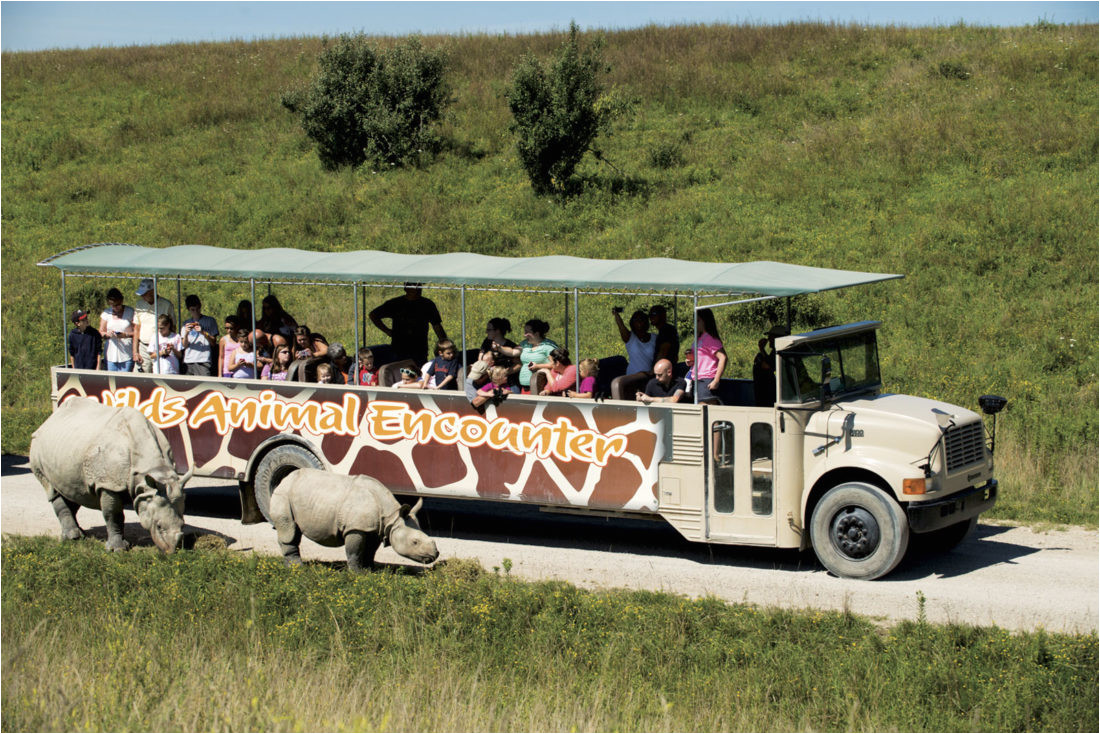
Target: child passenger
x=409, y=379
x=324, y=373
x=589, y=369
x=368, y=373
x=279, y=366
x=497, y=386
x=243, y=363
x=227, y=346
x=171, y=347
x=442, y=372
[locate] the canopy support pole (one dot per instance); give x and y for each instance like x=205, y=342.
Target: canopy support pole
x=355, y=307
x=577, y=341
x=155, y=367
x=252, y=334
x=788, y=314
x=64, y=324
x=462, y=298
x=179, y=304
x=695, y=348
x=566, y=309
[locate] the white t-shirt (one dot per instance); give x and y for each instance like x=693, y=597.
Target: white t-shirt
x=639, y=354
x=168, y=364
x=119, y=348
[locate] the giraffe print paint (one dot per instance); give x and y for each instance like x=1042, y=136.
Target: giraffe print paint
x=546, y=451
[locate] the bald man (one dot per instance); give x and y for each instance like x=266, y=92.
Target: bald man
x=664, y=388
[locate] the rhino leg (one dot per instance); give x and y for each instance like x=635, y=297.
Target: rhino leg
x=360, y=548
x=111, y=504
x=291, y=554
x=65, y=509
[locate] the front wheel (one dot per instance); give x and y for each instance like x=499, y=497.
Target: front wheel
x=858, y=531
x=274, y=468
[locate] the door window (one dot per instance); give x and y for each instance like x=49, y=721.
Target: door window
x=722, y=465
x=761, y=450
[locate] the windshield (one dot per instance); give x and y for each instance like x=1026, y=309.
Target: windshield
x=854, y=367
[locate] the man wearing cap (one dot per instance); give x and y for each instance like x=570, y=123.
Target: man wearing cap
x=410, y=316
x=763, y=368
x=85, y=344
x=145, y=324
x=200, y=338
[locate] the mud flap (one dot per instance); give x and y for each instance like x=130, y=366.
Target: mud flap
x=250, y=512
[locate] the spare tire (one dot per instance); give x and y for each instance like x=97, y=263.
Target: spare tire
x=276, y=465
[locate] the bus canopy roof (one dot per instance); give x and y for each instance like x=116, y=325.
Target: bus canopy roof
x=459, y=268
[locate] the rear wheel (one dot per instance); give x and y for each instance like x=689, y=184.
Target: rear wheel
x=276, y=465
x=858, y=531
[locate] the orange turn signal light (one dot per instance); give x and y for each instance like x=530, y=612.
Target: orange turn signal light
x=913, y=486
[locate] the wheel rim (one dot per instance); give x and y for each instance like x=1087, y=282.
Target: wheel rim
x=855, y=532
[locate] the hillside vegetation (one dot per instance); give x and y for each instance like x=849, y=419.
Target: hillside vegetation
x=964, y=158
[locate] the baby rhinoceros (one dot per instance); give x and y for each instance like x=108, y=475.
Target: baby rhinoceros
x=356, y=512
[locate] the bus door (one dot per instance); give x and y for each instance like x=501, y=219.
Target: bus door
x=740, y=473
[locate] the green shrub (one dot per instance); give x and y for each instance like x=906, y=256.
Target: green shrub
x=558, y=112
x=373, y=105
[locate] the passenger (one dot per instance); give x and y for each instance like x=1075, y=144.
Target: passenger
x=533, y=351
x=763, y=368
x=146, y=317
x=479, y=373
x=116, y=325
x=244, y=358
x=244, y=313
x=276, y=322
x=368, y=373
x=85, y=344
x=664, y=387
x=200, y=337
x=443, y=371
x=562, y=374
x=494, y=332
x=228, y=345
x=410, y=380
x=641, y=344
x=262, y=346
x=668, y=341
x=308, y=344
x=709, y=358
x=410, y=315
x=340, y=363
x=495, y=388
x=171, y=347
x=326, y=374
x=589, y=369
x=279, y=367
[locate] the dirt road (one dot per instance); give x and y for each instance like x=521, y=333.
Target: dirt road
x=1001, y=575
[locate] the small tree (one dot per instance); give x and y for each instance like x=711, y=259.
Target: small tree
x=370, y=105
x=558, y=112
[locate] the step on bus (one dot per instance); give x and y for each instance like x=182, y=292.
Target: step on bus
x=835, y=464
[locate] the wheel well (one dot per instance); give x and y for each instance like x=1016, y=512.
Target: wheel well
x=273, y=443
x=832, y=478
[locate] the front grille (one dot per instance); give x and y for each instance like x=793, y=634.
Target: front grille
x=964, y=446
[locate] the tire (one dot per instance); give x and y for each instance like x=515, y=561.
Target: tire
x=274, y=468
x=858, y=531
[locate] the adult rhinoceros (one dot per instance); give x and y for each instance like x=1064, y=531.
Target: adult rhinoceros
x=93, y=455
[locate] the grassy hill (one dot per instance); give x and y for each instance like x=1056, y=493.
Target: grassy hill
x=965, y=158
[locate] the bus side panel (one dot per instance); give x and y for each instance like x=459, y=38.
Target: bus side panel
x=546, y=451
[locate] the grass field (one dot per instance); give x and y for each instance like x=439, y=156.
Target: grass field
x=94, y=641
x=964, y=158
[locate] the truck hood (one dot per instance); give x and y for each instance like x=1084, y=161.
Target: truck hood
x=934, y=413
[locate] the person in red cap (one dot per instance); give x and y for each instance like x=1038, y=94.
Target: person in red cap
x=85, y=345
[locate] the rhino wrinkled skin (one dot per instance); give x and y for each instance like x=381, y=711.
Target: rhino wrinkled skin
x=92, y=455
x=356, y=512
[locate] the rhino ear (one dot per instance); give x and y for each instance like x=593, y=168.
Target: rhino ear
x=150, y=482
x=404, y=511
x=140, y=503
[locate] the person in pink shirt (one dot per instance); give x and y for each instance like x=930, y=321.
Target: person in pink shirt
x=562, y=374
x=709, y=357
x=589, y=369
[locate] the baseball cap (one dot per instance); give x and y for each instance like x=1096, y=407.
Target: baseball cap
x=145, y=287
x=78, y=315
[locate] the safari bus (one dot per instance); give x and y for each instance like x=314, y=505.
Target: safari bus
x=836, y=464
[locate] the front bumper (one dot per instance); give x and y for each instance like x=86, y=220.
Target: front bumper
x=928, y=516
